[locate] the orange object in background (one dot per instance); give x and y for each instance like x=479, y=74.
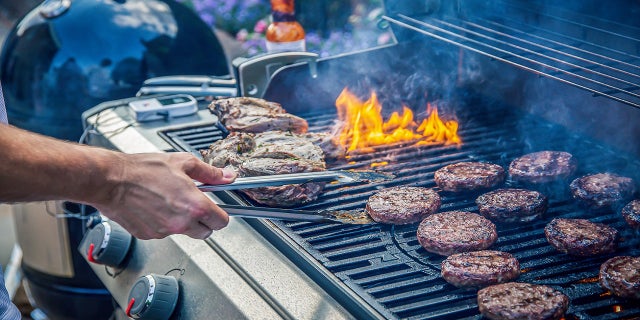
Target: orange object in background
x=284, y=33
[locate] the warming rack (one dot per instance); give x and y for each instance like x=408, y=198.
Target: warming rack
x=575, y=53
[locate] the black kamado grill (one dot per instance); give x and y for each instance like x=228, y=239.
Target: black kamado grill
x=519, y=77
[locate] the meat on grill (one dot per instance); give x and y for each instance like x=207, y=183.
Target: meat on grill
x=602, y=190
x=621, y=276
x=480, y=268
x=631, y=213
x=581, y=237
x=256, y=115
x=512, y=205
x=331, y=147
x=402, y=205
x=456, y=231
x=516, y=300
x=283, y=145
x=230, y=151
x=269, y=153
x=542, y=167
x=468, y=176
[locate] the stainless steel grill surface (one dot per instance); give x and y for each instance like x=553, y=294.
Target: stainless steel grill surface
x=386, y=266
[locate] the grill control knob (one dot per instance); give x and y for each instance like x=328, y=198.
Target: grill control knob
x=106, y=243
x=153, y=297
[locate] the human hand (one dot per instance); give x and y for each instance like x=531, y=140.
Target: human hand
x=153, y=196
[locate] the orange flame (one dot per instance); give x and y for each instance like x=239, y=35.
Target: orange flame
x=363, y=126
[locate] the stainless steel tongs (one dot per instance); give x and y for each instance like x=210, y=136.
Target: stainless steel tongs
x=331, y=216
x=343, y=176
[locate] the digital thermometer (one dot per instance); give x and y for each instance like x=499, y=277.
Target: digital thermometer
x=163, y=107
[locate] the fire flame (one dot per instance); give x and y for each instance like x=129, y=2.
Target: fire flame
x=362, y=126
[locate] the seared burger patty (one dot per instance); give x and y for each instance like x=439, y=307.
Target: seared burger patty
x=456, y=231
x=631, y=213
x=467, y=176
x=543, y=167
x=621, y=276
x=581, y=237
x=512, y=205
x=402, y=205
x=480, y=268
x=602, y=189
x=515, y=300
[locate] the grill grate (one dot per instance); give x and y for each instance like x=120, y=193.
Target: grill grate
x=385, y=265
x=584, y=55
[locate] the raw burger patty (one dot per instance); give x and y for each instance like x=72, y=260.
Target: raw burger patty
x=402, y=205
x=480, y=268
x=512, y=205
x=515, y=300
x=621, y=276
x=466, y=176
x=542, y=167
x=456, y=231
x=631, y=214
x=602, y=189
x=581, y=237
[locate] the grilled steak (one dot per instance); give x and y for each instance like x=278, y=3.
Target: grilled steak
x=256, y=115
x=456, y=231
x=515, y=300
x=631, y=213
x=581, y=237
x=512, y=205
x=273, y=152
x=402, y=205
x=467, y=176
x=327, y=142
x=480, y=268
x=602, y=190
x=621, y=276
x=282, y=145
x=230, y=151
x=542, y=167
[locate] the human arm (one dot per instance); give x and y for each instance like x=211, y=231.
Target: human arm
x=150, y=195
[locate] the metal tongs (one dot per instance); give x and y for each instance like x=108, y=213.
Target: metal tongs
x=343, y=176
x=331, y=216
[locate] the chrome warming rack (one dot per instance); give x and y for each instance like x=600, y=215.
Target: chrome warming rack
x=566, y=47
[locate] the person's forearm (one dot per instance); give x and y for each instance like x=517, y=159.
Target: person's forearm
x=33, y=166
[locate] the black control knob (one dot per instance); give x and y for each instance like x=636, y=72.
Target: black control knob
x=106, y=243
x=153, y=297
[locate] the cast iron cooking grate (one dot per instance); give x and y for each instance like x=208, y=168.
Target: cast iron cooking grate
x=386, y=267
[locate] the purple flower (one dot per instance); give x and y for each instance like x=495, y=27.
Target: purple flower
x=260, y=27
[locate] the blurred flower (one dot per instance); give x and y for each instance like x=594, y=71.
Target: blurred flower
x=242, y=35
x=261, y=26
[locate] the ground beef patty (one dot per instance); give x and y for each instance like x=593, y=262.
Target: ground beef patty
x=621, y=276
x=402, y=205
x=631, y=213
x=480, y=268
x=512, y=205
x=456, y=231
x=515, y=300
x=542, y=167
x=581, y=237
x=602, y=190
x=467, y=176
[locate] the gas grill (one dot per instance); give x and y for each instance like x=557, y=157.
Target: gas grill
x=522, y=78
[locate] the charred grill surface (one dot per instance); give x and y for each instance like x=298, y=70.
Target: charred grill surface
x=385, y=264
